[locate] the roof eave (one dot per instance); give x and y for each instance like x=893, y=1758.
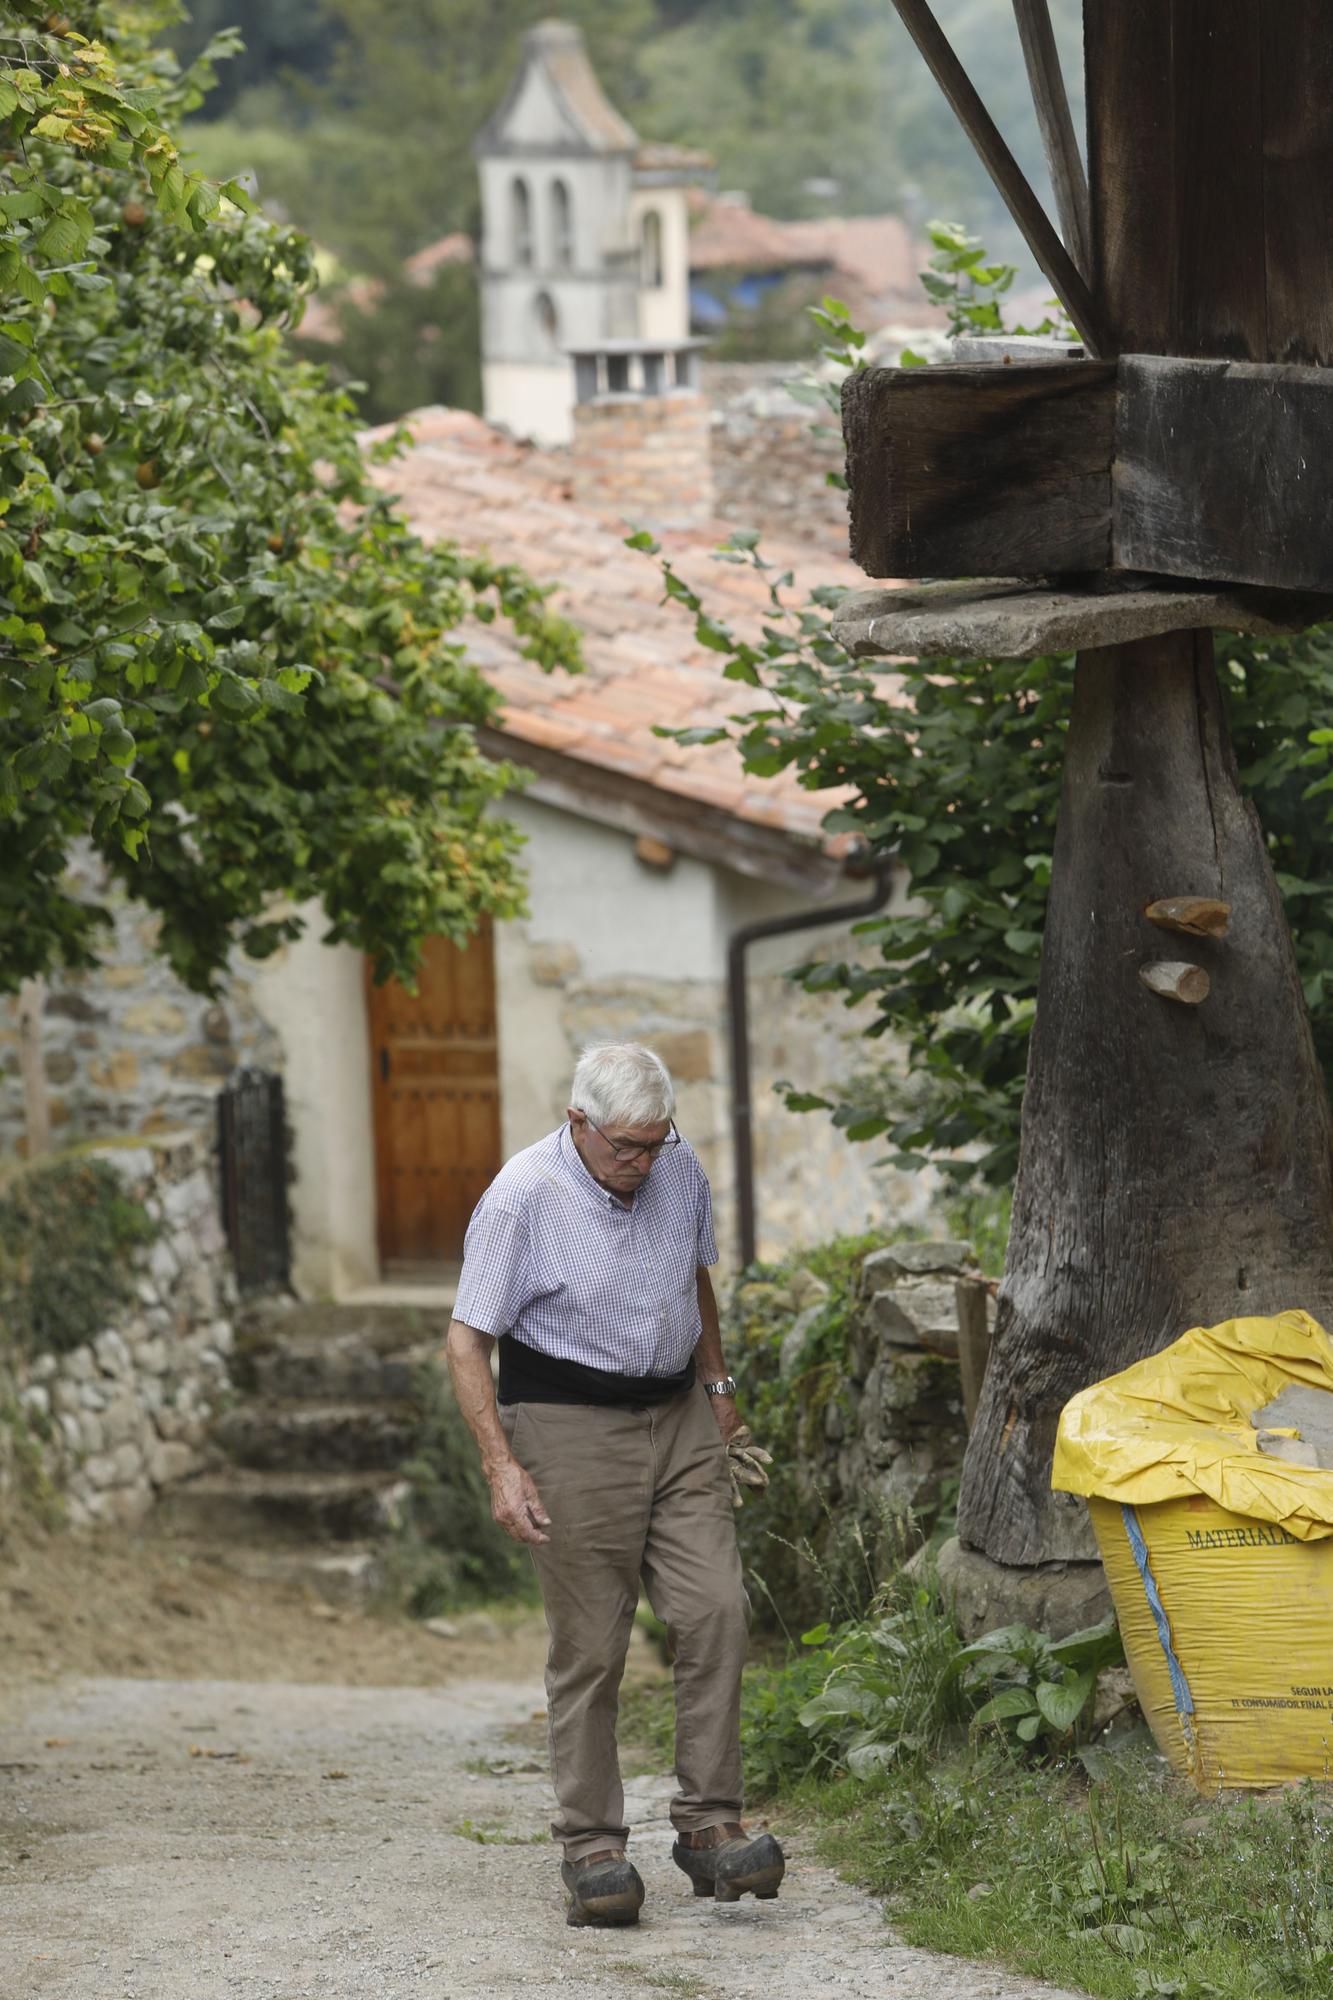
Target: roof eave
x=637, y=807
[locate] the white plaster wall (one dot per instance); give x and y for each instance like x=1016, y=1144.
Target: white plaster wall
x=527, y=379
x=313, y=995
x=664, y=311
x=585, y=885
x=812, y=1183
x=611, y=948
x=530, y=401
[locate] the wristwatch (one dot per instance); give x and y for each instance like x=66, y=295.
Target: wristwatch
x=726, y=1387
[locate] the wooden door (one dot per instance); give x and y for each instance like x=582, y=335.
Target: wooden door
x=436, y=1100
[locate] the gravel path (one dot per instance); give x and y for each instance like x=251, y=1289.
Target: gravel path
x=203, y=1840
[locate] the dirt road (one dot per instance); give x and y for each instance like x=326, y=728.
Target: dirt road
x=271, y=1839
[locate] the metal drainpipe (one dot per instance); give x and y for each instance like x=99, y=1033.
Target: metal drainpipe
x=739, y=1006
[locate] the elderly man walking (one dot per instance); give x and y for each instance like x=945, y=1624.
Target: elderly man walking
x=587, y=1258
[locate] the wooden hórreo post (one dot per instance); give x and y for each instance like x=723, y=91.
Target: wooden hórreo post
x=1175, y=1160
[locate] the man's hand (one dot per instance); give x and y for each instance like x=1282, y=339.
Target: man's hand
x=747, y=1463
x=516, y=1504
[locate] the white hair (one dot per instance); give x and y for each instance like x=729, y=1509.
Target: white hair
x=623, y=1083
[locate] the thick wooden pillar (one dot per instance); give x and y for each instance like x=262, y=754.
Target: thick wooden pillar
x=1175, y=1165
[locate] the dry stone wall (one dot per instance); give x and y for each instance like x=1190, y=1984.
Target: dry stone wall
x=128, y=1049
x=125, y=1414
x=893, y=1432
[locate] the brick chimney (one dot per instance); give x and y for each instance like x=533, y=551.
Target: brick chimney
x=642, y=450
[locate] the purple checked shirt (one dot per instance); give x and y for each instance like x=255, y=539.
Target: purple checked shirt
x=554, y=1259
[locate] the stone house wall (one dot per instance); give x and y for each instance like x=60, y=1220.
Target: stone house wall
x=612, y=949
x=893, y=1432
x=127, y=1412
x=128, y=1050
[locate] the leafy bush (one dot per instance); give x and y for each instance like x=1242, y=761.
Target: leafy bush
x=777, y=1748
x=805, y=1558
x=68, y=1237
x=894, y=1685
x=448, y=1551
x=1042, y=1691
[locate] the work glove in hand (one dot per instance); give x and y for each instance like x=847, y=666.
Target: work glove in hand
x=746, y=1462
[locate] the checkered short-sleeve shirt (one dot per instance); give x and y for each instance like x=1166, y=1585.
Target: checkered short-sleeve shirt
x=565, y=1267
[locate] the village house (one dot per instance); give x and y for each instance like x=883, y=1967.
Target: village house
x=645, y=860
x=651, y=865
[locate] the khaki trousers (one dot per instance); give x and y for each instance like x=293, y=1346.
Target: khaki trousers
x=635, y=1493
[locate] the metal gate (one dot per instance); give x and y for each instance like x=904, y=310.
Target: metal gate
x=252, y=1148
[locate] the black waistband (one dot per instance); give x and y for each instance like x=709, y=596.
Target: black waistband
x=529, y=1377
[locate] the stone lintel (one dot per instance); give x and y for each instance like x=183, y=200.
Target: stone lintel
x=1015, y=620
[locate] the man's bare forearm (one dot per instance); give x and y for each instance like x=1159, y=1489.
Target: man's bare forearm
x=468, y=1353
x=708, y=1352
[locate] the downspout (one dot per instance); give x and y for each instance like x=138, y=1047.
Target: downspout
x=742, y=1136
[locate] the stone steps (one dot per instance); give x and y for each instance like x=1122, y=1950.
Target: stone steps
x=303, y=1483
x=276, y=1435
x=350, y=1574
x=241, y=1504
x=364, y=1361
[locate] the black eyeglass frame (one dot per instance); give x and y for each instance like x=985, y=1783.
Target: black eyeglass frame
x=627, y=1153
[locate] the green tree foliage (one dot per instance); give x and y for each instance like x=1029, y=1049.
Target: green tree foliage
x=402, y=345
x=954, y=768
x=788, y=91
x=227, y=661
x=281, y=39
x=386, y=163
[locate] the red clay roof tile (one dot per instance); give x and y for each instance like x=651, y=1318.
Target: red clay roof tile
x=461, y=480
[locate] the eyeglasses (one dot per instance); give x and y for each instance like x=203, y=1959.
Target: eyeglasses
x=620, y=1152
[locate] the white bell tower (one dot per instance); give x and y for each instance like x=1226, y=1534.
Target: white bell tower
x=584, y=234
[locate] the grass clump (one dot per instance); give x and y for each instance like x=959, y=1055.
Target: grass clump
x=447, y=1552
x=966, y=1785
x=1125, y=1886
x=69, y=1235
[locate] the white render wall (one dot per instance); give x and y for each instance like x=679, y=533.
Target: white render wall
x=612, y=950
x=531, y=401
x=313, y=996
x=664, y=312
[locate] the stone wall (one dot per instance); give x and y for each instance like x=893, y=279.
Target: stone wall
x=770, y=469
x=811, y=1182
x=126, y=1413
x=644, y=459
x=127, y=1048
x=892, y=1433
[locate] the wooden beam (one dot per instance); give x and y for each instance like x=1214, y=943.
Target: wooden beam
x=1020, y=621
x=1225, y=470
x=1010, y=182
x=980, y=471
x=637, y=807
x=1064, y=162
x=972, y=1298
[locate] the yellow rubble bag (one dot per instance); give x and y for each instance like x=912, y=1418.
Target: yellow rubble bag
x=1219, y=1556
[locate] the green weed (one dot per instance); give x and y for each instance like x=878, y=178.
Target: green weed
x=1123, y=1888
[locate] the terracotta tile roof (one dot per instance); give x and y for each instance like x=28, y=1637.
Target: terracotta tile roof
x=462, y=480
x=729, y=234
x=422, y=265
x=873, y=254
